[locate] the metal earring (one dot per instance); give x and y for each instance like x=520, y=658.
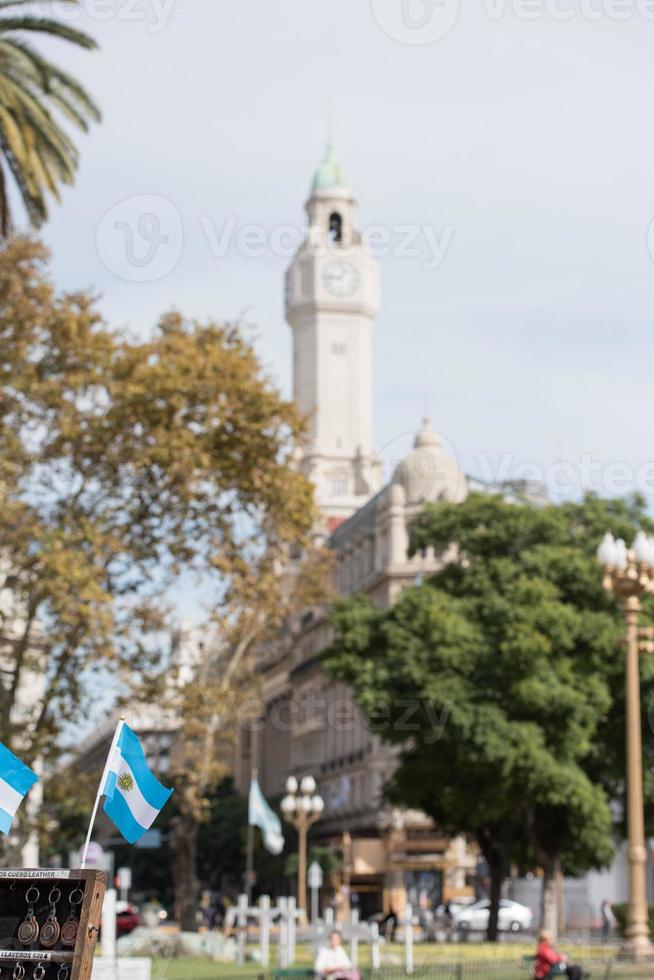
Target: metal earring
x=50, y=930
x=39, y=972
x=28, y=930
x=19, y=972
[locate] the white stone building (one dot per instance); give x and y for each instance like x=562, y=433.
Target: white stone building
x=311, y=724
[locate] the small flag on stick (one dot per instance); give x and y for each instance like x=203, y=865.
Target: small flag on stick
x=262, y=816
x=16, y=780
x=135, y=797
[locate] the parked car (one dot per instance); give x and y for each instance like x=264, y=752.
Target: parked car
x=456, y=905
x=127, y=918
x=474, y=918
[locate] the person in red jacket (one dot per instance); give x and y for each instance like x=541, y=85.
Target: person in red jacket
x=547, y=958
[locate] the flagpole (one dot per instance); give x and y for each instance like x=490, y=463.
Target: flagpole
x=249, y=850
x=103, y=781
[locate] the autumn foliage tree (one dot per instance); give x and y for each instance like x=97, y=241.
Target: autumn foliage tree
x=124, y=464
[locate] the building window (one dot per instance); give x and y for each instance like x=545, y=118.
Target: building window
x=339, y=349
x=339, y=488
x=336, y=227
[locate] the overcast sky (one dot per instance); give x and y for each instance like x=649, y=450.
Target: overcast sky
x=518, y=147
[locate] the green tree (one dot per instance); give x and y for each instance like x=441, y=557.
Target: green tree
x=36, y=95
x=511, y=655
x=123, y=465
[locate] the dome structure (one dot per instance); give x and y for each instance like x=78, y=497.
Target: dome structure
x=428, y=473
x=330, y=175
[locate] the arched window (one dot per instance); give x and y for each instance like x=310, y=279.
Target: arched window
x=336, y=227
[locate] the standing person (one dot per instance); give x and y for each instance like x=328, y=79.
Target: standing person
x=389, y=925
x=332, y=961
x=608, y=919
x=550, y=963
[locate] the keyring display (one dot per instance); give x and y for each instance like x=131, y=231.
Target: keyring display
x=50, y=930
x=70, y=927
x=51, y=919
x=28, y=930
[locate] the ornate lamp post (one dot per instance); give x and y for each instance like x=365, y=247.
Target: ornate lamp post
x=629, y=574
x=301, y=807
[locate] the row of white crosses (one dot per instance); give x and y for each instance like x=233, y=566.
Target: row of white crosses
x=287, y=915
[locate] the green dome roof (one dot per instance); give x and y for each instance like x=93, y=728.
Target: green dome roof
x=329, y=173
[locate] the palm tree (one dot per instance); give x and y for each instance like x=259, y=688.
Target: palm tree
x=35, y=95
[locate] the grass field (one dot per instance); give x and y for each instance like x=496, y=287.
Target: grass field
x=486, y=955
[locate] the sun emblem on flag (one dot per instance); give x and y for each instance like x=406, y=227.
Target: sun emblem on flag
x=126, y=782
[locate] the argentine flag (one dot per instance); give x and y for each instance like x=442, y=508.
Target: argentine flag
x=134, y=796
x=16, y=779
x=262, y=816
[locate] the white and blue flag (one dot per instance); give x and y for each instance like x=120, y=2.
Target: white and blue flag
x=262, y=816
x=134, y=796
x=16, y=780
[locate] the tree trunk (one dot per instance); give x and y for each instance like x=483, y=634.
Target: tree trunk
x=549, y=908
x=184, y=848
x=495, y=860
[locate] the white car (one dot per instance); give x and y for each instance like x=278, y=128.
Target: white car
x=512, y=916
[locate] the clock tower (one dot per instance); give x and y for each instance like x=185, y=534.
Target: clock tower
x=332, y=296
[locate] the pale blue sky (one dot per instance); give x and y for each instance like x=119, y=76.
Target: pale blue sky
x=529, y=143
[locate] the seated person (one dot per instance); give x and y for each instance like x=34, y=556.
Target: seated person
x=551, y=963
x=332, y=960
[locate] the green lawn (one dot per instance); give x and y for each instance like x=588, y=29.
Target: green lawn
x=392, y=958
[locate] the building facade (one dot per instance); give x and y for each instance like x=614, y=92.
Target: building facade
x=310, y=723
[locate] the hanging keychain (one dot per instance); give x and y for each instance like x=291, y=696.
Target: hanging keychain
x=28, y=930
x=71, y=925
x=51, y=930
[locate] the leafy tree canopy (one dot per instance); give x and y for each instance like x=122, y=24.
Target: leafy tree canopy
x=124, y=463
x=511, y=657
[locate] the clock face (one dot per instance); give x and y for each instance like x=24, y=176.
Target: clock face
x=340, y=278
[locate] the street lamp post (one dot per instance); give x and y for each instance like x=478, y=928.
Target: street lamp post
x=301, y=807
x=629, y=574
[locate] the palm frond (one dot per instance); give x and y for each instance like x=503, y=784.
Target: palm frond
x=46, y=25
x=53, y=79
x=35, y=94
x=24, y=3
x=27, y=105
